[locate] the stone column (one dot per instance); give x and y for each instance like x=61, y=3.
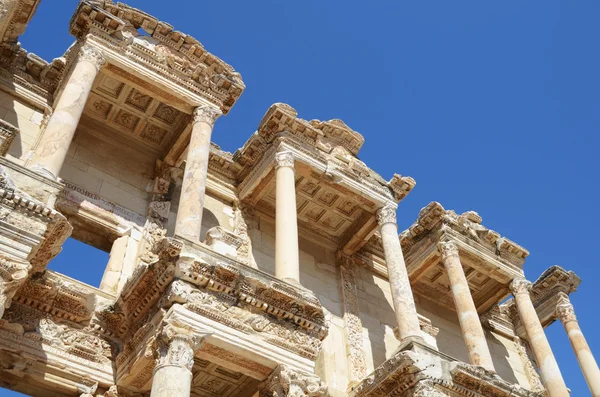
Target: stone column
x=470, y=324
x=402, y=296
x=112, y=273
x=52, y=149
x=287, y=257
x=589, y=367
x=191, y=201
x=551, y=376
x=173, y=373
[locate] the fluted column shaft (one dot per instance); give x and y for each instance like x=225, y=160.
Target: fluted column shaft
x=173, y=373
x=52, y=149
x=549, y=371
x=287, y=256
x=402, y=296
x=589, y=367
x=191, y=201
x=470, y=324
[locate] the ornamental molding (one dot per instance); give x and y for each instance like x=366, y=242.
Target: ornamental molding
x=385, y=215
x=434, y=219
x=13, y=274
x=285, y=382
x=91, y=54
x=177, y=346
x=520, y=286
x=565, y=311
x=175, y=56
x=14, y=17
x=447, y=249
x=206, y=114
x=8, y=132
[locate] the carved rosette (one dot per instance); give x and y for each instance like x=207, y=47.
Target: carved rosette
x=447, y=249
x=285, y=382
x=93, y=55
x=13, y=274
x=385, y=215
x=284, y=159
x=565, y=312
x=520, y=286
x=177, y=347
x=206, y=114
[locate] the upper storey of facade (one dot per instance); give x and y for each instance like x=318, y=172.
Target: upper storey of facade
x=278, y=268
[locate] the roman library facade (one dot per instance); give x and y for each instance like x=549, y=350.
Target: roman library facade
x=278, y=270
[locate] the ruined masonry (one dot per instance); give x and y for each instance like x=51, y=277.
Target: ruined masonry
x=278, y=270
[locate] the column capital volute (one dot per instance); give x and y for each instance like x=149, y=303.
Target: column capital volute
x=520, y=286
x=284, y=158
x=565, y=311
x=447, y=249
x=206, y=114
x=91, y=54
x=385, y=215
x=177, y=346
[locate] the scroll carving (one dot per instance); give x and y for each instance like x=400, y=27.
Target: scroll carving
x=13, y=274
x=206, y=114
x=177, y=347
x=447, y=249
x=93, y=55
x=385, y=215
x=520, y=286
x=284, y=159
x=565, y=312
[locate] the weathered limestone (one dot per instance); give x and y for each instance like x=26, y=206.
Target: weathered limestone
x=589, y=367
x=54, y=143
x=285, y=382
x=173, y=373
x=404, y=302
x=470, y=324
x=287, y=257
x=191, y=202
x=112, y=274
x=551, y=376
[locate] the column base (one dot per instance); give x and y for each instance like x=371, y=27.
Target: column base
x=38, y=169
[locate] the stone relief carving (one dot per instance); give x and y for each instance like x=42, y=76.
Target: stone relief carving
x=93, y=55
x=206, y=114
x=13, y=274
x=241, y=229
x=386, y=215
x=528, y=364
x=565, y=311
x=177, y=347
x=284, y=382
x=520, y=286
x=447, y=249
x=284, y=159
x=8, y=132
x=352, y=324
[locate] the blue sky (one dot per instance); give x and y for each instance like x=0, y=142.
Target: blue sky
x=490, y=106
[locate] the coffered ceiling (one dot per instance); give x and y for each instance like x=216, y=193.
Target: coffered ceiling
x=211, y=380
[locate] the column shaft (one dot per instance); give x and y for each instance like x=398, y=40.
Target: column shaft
x=52, y=149
x=402, y=296
x=586, y=360
x=470, y=324
x=287, y=257
x=551, y=376
x=191, y=201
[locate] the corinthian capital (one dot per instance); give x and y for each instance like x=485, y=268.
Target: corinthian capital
x=13, y=274
x=565, y=311
x=177, y=347
x=207, y=114
x=285, y=382
x=385, y=215
x=93, y=55
x=284, y=159
x=447, y=249
x=520, y=286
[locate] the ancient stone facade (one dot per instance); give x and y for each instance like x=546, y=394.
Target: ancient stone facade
x=274, y=271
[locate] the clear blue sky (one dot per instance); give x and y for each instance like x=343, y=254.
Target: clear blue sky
x=490, y=106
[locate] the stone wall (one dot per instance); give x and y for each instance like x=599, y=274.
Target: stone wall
x=27, y=119
x=114, y=171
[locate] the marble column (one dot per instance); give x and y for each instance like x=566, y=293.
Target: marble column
x=287, y=257
x=173, y=373
x=589, y=367
x=402, y=296
x=470, y=324
x=51, y=151
x=551, y=376
x=191, y=201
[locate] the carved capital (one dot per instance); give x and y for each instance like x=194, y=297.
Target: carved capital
x=520, y=286
x=385, y=215
x=284, y=159
x=565, y=311
x=285, y=382
x=447, y=249
x=177, y=346
x=13, y=274
x=206, y=114
x=93, y=55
